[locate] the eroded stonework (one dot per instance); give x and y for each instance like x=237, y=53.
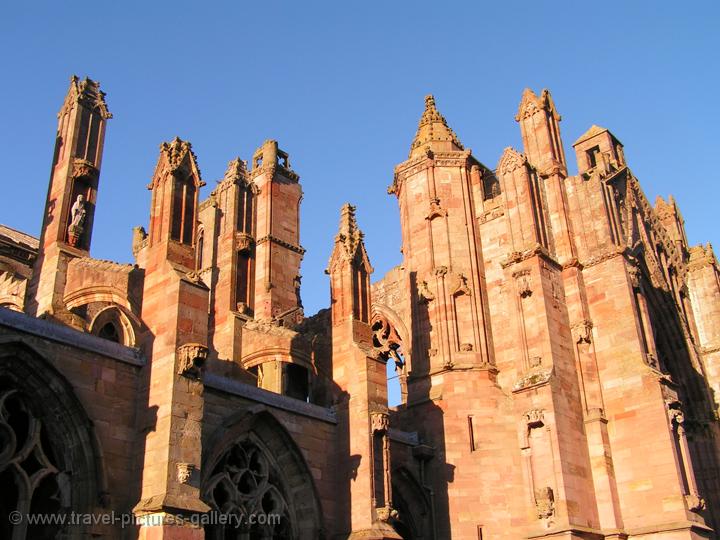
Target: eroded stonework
x=556, y=341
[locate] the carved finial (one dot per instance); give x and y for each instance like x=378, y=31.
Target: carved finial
x=433, y=132
x=175, y=155
x=349, y=240
x=87, y=93
x=349, y=234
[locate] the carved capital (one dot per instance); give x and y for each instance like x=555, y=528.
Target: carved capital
x=425, y=295
x=243, y=242
x=534, y=417
x=191, y=360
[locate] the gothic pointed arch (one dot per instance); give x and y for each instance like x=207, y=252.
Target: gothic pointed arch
x=50, y=460
x=252, y=467
x=115, y=324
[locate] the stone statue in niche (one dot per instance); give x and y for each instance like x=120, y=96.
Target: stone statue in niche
x=77, y=221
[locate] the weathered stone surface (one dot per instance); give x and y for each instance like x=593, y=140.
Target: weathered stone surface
x=556, y=340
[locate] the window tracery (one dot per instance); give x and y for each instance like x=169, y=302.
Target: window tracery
x=246, y=483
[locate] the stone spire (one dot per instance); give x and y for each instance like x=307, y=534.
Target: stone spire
x=349, y=235
x=433, y=132
x=349, y=244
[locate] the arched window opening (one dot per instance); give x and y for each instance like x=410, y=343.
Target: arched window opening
x=49, y=463
x=110, y=332
x=31, y=479
x=200, y=246
x=244, y=282
x=245, y=209
x=246, y=482
x=183, y=211
x=361, y=286
x=491, y=186
x=109, y=321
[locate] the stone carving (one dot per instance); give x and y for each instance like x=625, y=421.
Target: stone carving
x=545, y=502
x=695, y=503
x=534, y=377
x=194, y=277
x=510, y=161
x=243, y=242
x=77, y=221
x=82, y=168
x=440, y=271
x=191, y=360
x=535, y=417
x=459, y=285
x=652, y=361
x=379, y=422
x=386, y=513
x=435, y=210
x=424, y=293
x=677, y=416
x=524, y=284
x=582, y=332
x=185, y=472
x=466, y=347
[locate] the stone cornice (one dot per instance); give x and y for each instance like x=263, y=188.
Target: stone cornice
x=520, y=256
x=283, y=243
x=460, y=158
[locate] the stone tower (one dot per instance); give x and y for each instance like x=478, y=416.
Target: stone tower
x=72, y=193
x=359, y=372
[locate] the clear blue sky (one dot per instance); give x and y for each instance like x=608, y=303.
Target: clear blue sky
x=341, y=86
